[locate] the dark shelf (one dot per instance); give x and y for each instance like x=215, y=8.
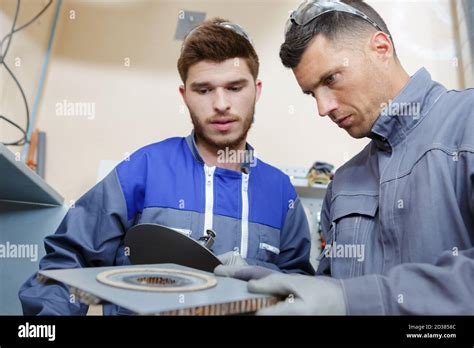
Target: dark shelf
x=19, y=183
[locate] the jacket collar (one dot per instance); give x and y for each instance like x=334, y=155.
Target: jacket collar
x=249, y=162
x=403, y=113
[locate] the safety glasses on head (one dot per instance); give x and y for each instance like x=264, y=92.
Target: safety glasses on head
x=236, y=28
x=312, y=9
x=228, y=25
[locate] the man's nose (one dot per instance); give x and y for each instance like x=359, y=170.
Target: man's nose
x=326, y=104
x=221, y=101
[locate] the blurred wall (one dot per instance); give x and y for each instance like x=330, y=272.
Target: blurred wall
x=24, y=58
x=119, y=57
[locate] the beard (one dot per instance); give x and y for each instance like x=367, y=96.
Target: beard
x=231, y=141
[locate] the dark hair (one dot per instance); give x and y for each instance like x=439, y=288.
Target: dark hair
x=332, y=25
x=210, y=41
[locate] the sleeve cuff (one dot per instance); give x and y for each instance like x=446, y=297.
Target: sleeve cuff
x=363, y=296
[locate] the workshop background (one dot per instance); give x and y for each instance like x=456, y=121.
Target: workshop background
x=117, y=61
x=120, y=58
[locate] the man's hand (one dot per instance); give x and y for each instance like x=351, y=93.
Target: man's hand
x=232, y=258
x=243, y=272
x=235, y=266
x=306, y=295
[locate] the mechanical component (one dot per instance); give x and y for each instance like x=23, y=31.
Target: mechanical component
x=157, y=279
x=208, y=240
x=165, y=289
x=250, y=305
x=84, y=296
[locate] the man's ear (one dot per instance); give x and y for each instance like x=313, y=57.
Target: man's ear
x=258, y=87
x=182, y=91
x=381, y=44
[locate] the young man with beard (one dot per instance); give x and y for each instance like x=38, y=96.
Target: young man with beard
x=185, y=184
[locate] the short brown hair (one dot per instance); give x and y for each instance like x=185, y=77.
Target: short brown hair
x=210, y=41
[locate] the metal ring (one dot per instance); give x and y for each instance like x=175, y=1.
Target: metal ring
x=193, y=281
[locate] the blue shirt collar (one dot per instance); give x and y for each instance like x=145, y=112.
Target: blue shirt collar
x=406, y=110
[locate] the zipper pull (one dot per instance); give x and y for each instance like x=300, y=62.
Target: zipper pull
x=208, y=176
x=245, y=178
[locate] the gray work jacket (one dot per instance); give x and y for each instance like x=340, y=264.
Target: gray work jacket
x=398, y=218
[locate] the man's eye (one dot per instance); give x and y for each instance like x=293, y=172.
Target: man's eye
x=235, y=89
x=330, y=79
x=203, y=90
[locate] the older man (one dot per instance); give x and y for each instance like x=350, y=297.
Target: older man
x=407, y=199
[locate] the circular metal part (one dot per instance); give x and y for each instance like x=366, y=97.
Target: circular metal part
x=156, y=279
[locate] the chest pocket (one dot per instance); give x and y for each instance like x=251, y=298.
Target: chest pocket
x=353, y=222
x=267, y=244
